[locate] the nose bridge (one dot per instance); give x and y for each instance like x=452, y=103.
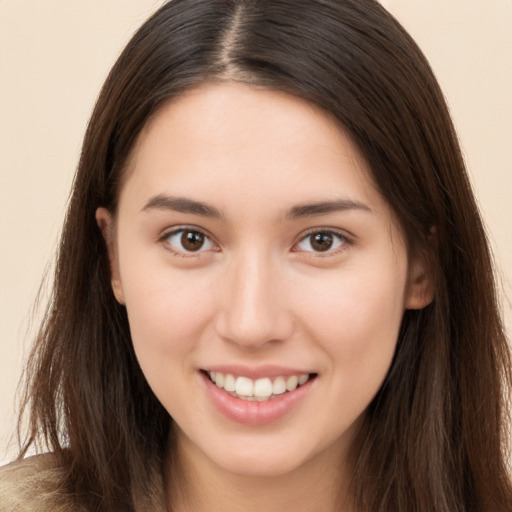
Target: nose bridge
x=253, y=311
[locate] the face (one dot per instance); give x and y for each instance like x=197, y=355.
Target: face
x=264, y=277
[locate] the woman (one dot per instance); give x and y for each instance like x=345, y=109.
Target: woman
x=273, y=290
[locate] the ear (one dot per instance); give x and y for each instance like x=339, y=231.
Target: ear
x=421, y=283
x=106, y=224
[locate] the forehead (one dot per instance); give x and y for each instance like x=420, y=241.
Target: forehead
x=233, y=142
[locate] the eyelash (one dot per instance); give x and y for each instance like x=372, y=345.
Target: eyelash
x=183, y=230
x=342, y=240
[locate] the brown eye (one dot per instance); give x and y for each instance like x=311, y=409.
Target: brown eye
x=192, y=240
x=322, y=241
x=185, y=241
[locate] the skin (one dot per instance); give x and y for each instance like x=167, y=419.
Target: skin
x=258, y=292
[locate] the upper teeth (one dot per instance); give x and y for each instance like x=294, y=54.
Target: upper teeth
x=259, y=388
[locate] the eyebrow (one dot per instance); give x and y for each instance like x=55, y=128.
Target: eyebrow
x=182, y=205
x=325, y=207
x=185, y=205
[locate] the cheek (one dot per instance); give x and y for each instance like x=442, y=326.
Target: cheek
x=167, y=309
x=358, y=331
x=167, y=319
x=356, y=321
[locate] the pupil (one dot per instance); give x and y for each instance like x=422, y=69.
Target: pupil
x=322, y=241
x=192, y=241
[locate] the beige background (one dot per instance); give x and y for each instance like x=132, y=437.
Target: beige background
x=54, y=55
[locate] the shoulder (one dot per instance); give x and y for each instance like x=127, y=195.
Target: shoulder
x=34, y=485
x=31, y=485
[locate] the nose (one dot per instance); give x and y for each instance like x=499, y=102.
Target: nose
x=253, y=310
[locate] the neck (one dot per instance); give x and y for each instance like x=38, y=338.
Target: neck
x=194, y=482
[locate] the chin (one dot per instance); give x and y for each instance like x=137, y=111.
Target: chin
x=260, y=465
x=267, y=456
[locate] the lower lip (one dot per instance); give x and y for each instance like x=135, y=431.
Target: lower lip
x=252, y=412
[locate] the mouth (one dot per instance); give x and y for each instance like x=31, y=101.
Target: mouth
x=258, y=390
x=267, y=396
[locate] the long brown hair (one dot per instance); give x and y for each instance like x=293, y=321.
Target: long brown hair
x=434, y=436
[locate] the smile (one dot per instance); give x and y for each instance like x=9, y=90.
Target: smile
x=258, y=390
x=263, y=399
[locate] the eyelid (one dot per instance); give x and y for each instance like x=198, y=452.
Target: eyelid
x=347, y=241
x=164, y=237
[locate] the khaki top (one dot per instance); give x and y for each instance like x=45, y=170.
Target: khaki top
x=32, y=485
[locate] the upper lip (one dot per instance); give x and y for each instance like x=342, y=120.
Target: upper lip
x=256, y=372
